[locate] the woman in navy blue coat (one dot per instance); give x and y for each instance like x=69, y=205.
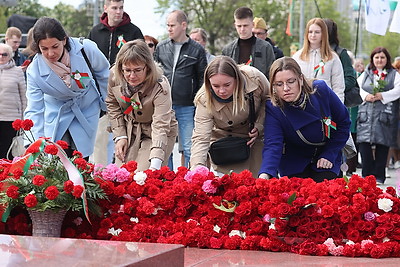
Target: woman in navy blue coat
x=306, y=126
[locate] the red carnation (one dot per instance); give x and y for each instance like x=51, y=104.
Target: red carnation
x=30, y=201
x=12, y=191
x=17, y=124
x=62, y=144
x=17, y=173
x=51, y=149
x=80, y=163
x=27, y=124
x=327, y=211
x=68, y=187
x=77, y=153
x=51, y=192
x=39, y=180
x=78, y=190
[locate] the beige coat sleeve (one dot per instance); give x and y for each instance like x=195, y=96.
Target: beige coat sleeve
x=114, y=111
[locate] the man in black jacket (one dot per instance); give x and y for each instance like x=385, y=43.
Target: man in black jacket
x=115, y=29
x=183, y=61
x=260, y=31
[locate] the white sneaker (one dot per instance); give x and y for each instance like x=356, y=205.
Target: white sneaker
x=387, y=173
x=397, y=164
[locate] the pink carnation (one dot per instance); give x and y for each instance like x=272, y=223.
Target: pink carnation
x=122, y=175
x=110, y=172
x=208, y=187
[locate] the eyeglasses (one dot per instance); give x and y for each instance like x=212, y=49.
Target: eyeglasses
x=137, y=71
x=289, y=83
x=4, y=54
x=151, y=45
x=259, y=33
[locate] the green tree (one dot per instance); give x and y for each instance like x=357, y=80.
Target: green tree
x=76, y=22
x=390, y=41
x=29, y=8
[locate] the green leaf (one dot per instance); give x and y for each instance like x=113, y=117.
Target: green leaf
x=292, y=198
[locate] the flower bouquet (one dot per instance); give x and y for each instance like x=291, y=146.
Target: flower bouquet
x=45, y=180
x=379, y=81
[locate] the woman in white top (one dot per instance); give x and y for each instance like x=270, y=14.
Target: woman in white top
x=317, y=60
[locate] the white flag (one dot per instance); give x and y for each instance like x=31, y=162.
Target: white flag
x=395, y=25
x=377, y=15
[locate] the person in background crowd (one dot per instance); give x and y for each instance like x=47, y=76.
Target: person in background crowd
x=394, y=152
x=62, y=104
x=12, y=100
x=378, y=114
x=28, y=52
x=248, y=49
x=13, y=38
x=317, y=60
x=139, y=106
x=113, y=31
x=222, y=109
x=359, y=66
x=200, y=35
x=184, y=68
x=350, y=81
x=151, y=43
x=294, y=144
x=260, y=30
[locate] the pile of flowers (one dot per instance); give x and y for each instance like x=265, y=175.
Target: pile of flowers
x=45, y=178
x=341, y=217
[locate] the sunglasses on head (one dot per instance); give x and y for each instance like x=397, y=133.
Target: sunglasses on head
x=151, y=45
x=4, y=54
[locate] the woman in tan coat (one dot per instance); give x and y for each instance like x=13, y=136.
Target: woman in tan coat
x=139, y=106
x=222, y=109
x=12, y=97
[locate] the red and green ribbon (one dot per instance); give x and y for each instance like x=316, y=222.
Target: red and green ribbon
x=133, y=104
x=328, y=124
x=320, y=66
x=79, y=77
x=250, y=61
x=121, y=41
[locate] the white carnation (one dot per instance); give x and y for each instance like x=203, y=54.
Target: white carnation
x=140, y=178
x=385, y=204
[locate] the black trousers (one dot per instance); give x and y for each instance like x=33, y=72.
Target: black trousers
x=374, y=163
x=316, y=176
x=7, y=133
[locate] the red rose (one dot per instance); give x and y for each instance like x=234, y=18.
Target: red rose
x=39, y=180
x=17, y=124
x=51, y=192
x=30, y=201
x=12, y=192
x=68, y=186
x=27, y=124
x=77, y=192
x=62, y=144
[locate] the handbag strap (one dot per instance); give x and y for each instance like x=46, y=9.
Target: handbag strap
x=90, y=67
x=252, y=113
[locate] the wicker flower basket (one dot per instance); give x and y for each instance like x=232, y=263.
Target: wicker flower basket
x=47, y=223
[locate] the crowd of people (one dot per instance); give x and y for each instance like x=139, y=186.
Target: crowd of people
x=119, y=95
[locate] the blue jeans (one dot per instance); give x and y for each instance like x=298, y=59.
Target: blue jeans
x=185, y=117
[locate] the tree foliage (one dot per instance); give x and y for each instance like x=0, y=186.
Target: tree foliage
x=76, y=22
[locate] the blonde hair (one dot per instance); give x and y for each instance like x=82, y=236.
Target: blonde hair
x=136, y=52
x=8, y=49
x=326, y=51
x=223, y=65
x=287, y=63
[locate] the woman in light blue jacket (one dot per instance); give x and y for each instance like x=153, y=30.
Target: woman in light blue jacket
x=63, y=100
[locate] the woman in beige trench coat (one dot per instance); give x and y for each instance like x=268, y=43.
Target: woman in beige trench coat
x=139, y=106
x=222, y=110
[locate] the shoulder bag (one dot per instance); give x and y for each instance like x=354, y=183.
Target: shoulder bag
x=233, y=149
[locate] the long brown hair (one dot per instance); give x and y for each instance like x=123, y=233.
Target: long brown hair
x=326, y=51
